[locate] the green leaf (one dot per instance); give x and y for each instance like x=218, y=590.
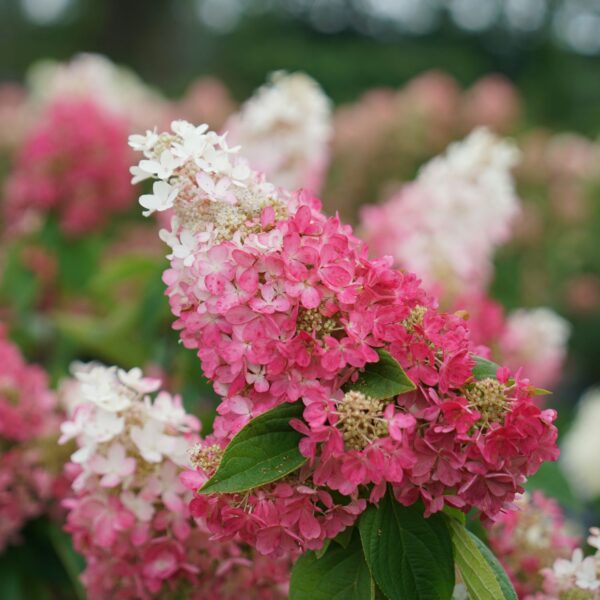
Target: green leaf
x=344, y=537
x=484, y=368
x=506, y=586
x=383, y=379
x=340, y=574
x=481, y=573
x=410, y=557
x=454, y=513
x=323, y=549
x=265, y=450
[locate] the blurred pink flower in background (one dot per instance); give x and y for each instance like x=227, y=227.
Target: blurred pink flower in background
x=206, y=100
x=27, y=416
x=73, y=165
x=492, y=101
x=531, y=538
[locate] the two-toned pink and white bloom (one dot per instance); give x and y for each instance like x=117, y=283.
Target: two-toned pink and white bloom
x=128, y=510
x=283, y=305
x=446, y=225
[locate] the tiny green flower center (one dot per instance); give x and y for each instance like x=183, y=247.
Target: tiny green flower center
x=312, y=321
x=206, y=458
x=416, y=316
x=488, y=397
x=361, y=420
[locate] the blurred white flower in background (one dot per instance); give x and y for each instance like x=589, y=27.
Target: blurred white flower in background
x=285, y=129
x=580, y=447
x=536, y=339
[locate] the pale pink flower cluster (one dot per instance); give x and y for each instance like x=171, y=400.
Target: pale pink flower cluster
x=26, y=416
x=530, y=539
x=385, y=135
x=283, y=305
x=128, y=511
x=285, y=130
x=13, y=116
x=577, y=577
x=26, y=489
x=446, y=224
x=535, y=339
x=73, y=165
x=206, y=100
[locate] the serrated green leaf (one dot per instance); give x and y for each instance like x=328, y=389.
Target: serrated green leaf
x=265, y=450
x=340, y=574
x=409, y=556
x=383, y=379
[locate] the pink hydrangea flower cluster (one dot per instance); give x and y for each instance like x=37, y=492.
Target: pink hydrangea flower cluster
x=128, y=511
x=26, y=415
x=446, y=224
x=577, y=577
x=73, y=164
x=280, y=520
x=531, y=339
x=26, y=489
x=285, y=129
x=283, y=305
x=530, y=539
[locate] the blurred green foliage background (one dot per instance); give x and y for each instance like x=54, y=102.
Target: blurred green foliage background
x=549, y=48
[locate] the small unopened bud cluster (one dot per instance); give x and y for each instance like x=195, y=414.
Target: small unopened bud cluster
x=206, y=458
x=361, y=420
x=312, y=321
x=416, y=316
x=488, y=397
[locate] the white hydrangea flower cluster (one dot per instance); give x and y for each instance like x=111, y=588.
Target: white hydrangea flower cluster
x=536, y=339
x=577, y=577
x=285, y=129
x=211, y=188
x=123, y=436
x=94, y=76
x=446, y=225
x=580, y=447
